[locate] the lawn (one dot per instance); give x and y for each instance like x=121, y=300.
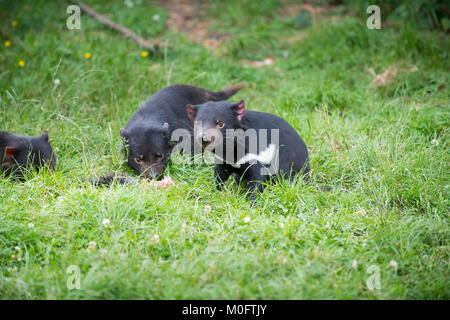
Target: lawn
x=382, y=232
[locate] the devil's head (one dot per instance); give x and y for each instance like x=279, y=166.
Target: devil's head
x=148, y=148
x=18, y=152
x=215, y=118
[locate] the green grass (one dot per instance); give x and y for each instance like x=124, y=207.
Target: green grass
x=389, y=201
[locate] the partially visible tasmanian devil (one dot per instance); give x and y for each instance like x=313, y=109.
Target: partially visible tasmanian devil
x=252, y=145
x=22, y=152
x=147, y=135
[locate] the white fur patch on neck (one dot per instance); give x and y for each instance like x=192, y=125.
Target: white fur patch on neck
x=264, y=157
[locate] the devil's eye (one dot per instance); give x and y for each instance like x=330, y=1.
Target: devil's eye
x=220, y=124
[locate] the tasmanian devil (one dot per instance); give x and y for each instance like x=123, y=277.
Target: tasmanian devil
x=21, y=152
x=252, y=145
x=147, y=135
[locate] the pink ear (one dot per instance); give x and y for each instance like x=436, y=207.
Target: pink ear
x=191, y=112
x=45, y=135
x=240, y=110
x=10, y=152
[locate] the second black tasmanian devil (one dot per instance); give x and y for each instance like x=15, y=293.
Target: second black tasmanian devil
x=19, y=152
x=147, y=135
x=252, y=145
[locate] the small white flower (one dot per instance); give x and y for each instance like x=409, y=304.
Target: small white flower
x=106, y=223
x=354, y=264
x=393, y=263
x=247, y=219
x=184, y=225
x=156, y=17
x=92, y=245
x=155, y=238
x=31, y=225
x=268, y=62
x=207, y=208
x=17, y=248
x=57, y=82
x=281, y=225
x=129, y=4
x=435, y=142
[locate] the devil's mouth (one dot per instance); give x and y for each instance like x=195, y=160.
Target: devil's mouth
x=206, y=143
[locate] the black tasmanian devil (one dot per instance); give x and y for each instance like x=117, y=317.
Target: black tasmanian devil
x=147, y=135
x=252, y=145
x=21, y=152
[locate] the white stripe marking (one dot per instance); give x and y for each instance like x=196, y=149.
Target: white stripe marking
x=264, y=157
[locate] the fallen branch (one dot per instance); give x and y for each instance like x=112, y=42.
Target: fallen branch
x=125, y=31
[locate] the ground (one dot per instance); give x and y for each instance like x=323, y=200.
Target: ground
x=371, y=105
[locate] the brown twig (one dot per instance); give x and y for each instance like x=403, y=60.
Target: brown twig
x=125, y=31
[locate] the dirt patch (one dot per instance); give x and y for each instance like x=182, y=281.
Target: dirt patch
x=309, y=12
x=188, y=16
x=290, y=10
x=317, y=9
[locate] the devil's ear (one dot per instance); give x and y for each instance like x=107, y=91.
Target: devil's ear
x=45, y=135
x=239, y=108
x=10, y=153
x=122, y=132
x=191, y=111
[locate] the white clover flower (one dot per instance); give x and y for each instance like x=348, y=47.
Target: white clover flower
x=156, y=17
x=207, y=208
x=17, y=248
x=57, y=82
x=435, y=142
x=268, y=62
x=31, y=225
x=128, y=3
x=354, y=264
x=247, y=219
x=92, y=245
x=281, y=224
x=393, y=263
x=106, y=223
x=155, y=238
